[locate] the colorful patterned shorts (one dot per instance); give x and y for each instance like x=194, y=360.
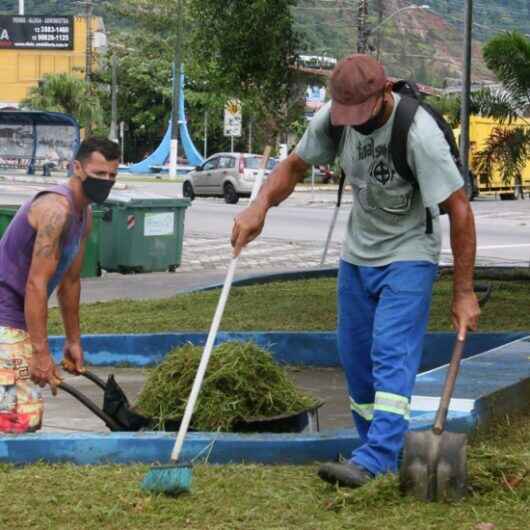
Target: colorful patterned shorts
x=21, y=405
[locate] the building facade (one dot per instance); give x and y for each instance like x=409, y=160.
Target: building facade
x=21, y=69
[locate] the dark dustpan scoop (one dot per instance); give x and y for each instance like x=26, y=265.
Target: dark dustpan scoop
x=434, y=462
x=116, y=413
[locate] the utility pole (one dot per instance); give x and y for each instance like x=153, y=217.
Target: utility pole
x=89, y=38
x=174, y=149
x=362, y=33
x=380, y=15
x=21, y=7
x=466, y=93
x=114, y=112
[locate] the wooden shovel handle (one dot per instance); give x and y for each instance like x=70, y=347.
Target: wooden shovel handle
x=449, y=385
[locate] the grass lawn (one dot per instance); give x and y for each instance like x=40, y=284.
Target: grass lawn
x=296, y=305
x=270, y=497
x=274, y=497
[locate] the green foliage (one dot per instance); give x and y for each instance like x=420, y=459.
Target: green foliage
x=448, y=106
x=508, y=55
x=65, y=93
x=146, y=51
x=508, y=148
x=237, y=51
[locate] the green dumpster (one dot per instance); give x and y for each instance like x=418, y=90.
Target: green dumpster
x=91, y=267
x=6, y=214
x=142, y=234
x=91, y=263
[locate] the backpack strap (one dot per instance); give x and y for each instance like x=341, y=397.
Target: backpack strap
x=335, y=133
x=342, y=179
x=405, y=112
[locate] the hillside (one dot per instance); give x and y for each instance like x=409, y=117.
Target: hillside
x=422, y=44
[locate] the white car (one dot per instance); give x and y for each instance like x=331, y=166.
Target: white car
x=228, y=175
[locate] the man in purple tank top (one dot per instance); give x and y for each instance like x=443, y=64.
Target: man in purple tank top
x=43, y=248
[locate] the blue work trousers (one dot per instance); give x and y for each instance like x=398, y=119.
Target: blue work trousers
x=382, y=320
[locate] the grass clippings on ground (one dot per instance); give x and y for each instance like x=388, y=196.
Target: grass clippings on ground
x=254, y=497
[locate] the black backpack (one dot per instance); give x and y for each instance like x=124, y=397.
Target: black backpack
x=410, y=101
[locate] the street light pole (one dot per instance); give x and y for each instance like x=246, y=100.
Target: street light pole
x=466, y=92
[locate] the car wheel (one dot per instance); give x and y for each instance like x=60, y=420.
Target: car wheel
x=187, y=191
x=230, y=194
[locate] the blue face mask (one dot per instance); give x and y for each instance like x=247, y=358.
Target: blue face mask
x=97, y=190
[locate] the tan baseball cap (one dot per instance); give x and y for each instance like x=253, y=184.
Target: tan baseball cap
x=356, y=83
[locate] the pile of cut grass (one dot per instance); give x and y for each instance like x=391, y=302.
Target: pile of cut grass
x=243, y=382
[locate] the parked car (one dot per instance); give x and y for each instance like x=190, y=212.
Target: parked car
x=228, y=175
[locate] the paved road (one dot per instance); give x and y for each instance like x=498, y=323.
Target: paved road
x=292, y=240
x=503, y=227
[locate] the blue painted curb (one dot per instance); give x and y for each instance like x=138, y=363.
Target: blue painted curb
x=513, y=393
x=222, y=448
x=295, y=348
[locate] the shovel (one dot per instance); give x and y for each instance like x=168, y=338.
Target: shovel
x=434, y=461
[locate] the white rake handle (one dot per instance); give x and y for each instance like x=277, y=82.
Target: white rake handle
x=212, y=334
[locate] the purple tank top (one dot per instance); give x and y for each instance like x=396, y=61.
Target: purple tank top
x=16, y=251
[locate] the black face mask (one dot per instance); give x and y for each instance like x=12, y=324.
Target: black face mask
x=97, y=190
x=373, y=123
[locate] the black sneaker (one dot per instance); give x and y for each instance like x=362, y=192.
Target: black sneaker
x=348, y=474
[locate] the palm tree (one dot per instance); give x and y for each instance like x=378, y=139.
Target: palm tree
x=68, y=94
x=508, y=148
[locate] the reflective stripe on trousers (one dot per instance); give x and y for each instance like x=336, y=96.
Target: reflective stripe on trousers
x=384, y=401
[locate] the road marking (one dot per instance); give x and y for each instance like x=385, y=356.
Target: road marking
x=493, y=247
x=428, y=403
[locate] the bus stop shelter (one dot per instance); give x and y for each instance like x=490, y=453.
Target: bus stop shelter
x=30, y=140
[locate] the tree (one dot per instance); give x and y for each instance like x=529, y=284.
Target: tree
x=239, y=52
x=229, y=50
x=68, y=94
x=508, y=148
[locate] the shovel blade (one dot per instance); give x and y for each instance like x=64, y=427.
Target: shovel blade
x=434, y=466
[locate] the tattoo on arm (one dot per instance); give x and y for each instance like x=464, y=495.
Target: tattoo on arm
x=51, y=233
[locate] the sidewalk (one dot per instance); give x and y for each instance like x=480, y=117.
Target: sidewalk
x=205, y=262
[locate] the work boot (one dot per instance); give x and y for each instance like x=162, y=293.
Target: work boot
x=347, y=474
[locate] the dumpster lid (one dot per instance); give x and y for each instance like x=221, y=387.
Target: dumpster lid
x=134, y=197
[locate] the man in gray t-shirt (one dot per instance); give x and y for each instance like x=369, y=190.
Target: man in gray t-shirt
x=389, y=259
